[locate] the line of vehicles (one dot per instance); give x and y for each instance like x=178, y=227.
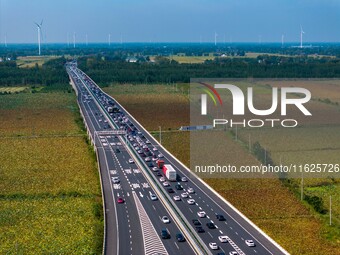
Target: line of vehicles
x=165, y=172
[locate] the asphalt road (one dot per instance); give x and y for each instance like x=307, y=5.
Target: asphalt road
x=133, y=226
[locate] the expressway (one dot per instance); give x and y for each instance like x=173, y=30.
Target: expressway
x=220, y=223
x=134, y=225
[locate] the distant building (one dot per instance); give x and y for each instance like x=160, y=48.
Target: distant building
x=131, y=59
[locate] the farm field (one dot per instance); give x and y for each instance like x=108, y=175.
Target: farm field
x=280, y=213
x=50, y=199
x=12, y=90
x=31, y=61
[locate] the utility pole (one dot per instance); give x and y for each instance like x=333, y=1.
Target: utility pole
x=330, y=210
x=160, y=134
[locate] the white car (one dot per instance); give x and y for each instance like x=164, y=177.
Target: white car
x=223, y=239
x=113, y=144
x=177, y=198
x=131, y=161
x=115, y=179
x=213, y=246
x=250, y=243
x=165, y=219
x=166, y=184
x=154, y=149
x=155, y=168
x=119, y=143
x=233, y=253
x=147, y=142
x=154, y=159
x=184, y=179
x=153, y=197
x=162, y=179
x=147, y=159
x=191, y=201
x=191, y=190
x=160, y=155
x=201, y=214
x=184, y=195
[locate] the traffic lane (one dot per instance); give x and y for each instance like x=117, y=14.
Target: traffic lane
x=110, y=210
x=133, y=240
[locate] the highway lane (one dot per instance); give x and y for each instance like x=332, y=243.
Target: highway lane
x=236, y=227
x=127, y=221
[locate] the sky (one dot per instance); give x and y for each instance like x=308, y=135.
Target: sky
x=170, y=20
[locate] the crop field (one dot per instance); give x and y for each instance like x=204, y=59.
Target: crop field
x=12, y=90
x=47, y=114
x=31, y=61
x=272, y=206
x=50, y=199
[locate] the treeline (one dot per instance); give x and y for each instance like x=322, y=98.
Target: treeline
x=49, y=74
x=163, y=70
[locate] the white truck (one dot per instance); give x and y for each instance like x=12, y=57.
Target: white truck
x=170, y=172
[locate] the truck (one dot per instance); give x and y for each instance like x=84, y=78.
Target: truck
x=160, y=163
x=170, y=172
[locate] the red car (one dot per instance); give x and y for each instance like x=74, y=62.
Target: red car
x=120, y=200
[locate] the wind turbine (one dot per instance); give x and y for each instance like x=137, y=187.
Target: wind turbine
x=216, y=38
x=301, y=35
x=282, y=40
x=39, y=33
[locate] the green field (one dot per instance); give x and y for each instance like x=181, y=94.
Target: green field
x=268, y=202
x=50, y=199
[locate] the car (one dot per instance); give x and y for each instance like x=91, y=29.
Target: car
x=166, y=184
x=223, y=239
x=153, y=197
x=211, y=225
x=233, y=253
x=160, y=155
x=117, y=150
x=154, y=149
x=131, y=161
x=180, y=237
x=165, y=234
x=162, y=179
x=150, y=164
x=147, y=142
x=220, y=217
x=140, y=152
x=119, y=143
x=158, y=173
x=250, y=243
x=177, y=198
x=201, y=214
x=196, y=222
x=154, y=159
x=147, y=159
x=191, y=201
x=191, y=191
x=155, y=168
x=199, y=230
x=184, y=179
x=184, y=195
x=120, y=200
x=170, y=190
x=115, y=179
x=165, y=219
x=213, y=246
x=178, y=187
x=220, y=253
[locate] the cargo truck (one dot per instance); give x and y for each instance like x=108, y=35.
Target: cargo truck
x=170, y=172
x=160, y=163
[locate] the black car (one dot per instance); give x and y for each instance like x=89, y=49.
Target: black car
x=220, y=217
x=180, y=237
x=200, y=230
x=178, y=187
x=158, y=173
x=170, y=190
x=117, y=150
x=211, y=225
x=196, y=222
x=150, y=164
x=165, y=234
